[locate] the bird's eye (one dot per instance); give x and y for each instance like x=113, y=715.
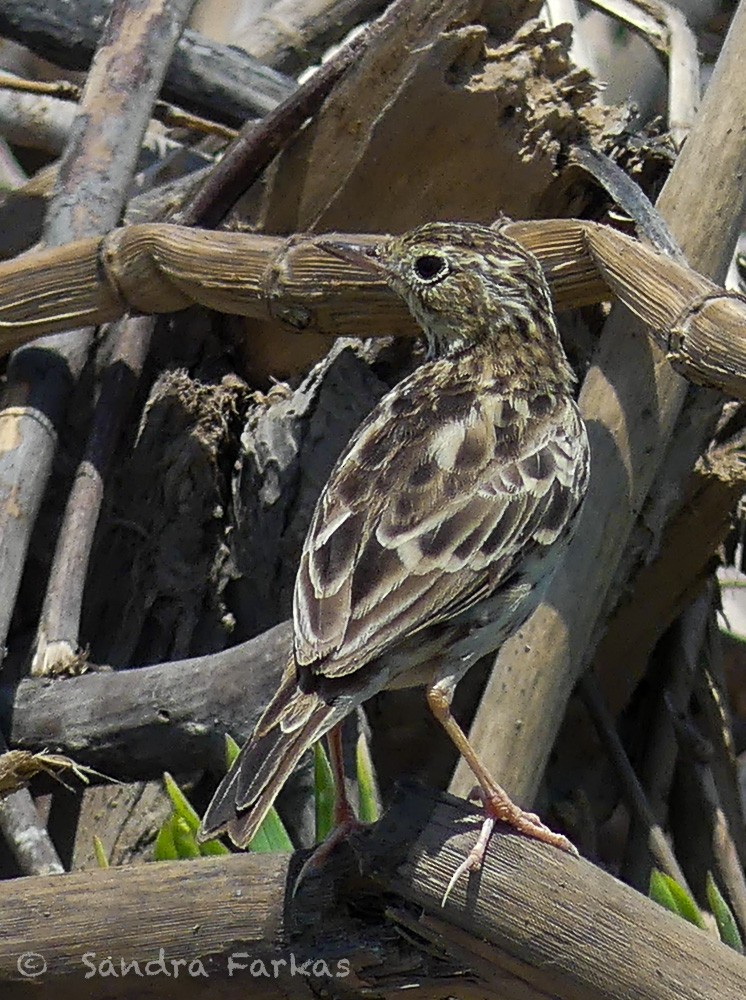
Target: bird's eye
x=430, y=267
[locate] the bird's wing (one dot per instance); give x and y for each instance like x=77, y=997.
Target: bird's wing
x=425, y=515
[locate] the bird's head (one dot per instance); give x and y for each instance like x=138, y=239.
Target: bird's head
x=465, y=284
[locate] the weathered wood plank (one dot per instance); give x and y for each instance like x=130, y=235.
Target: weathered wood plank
x=533, y=924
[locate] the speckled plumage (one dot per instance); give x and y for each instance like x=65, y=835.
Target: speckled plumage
x=439, y=526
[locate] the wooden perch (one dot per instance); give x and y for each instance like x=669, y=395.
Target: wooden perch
x=533, y=923
x=293, y=282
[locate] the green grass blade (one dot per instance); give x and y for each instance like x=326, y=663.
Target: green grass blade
x=726, y=922
x=183, y=808
x=271, y=837
x=669, y=894
x=98, y=849
x=212, y=849
x=369, y=807
x=184, y=840
x=232, y=750
x=323, y=783
x=165, y=848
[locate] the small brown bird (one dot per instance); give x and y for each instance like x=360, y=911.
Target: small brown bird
x=441, y=523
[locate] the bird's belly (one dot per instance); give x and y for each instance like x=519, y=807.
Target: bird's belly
x=450, y=648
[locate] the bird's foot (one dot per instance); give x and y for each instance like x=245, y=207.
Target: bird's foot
x=342, y=831
x=500, y=809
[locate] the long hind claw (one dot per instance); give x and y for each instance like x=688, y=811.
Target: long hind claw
x=501, y=809
x=318, y=858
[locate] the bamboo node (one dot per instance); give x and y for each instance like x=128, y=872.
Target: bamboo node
x=679, y=330
x=108, y=250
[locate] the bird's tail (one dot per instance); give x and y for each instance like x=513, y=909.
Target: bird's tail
x=292, y=722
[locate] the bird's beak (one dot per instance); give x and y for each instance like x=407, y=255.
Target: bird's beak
x=362, y=254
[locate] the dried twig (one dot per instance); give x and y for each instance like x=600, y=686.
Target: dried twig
x=159, y=268
x=661, y=749
x=666, y=28
x=293, y=33
x=717, y=778
x=669, y=582
x=40, y=121
x=634, y=793
x=18, y=767
x=630, y=198
x=137, y=723
x=56, y=649
x=162, y=111
x=219, y=81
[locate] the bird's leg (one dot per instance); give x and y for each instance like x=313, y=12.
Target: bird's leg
x=345, y=820
x=344, y=814
x=497, y=803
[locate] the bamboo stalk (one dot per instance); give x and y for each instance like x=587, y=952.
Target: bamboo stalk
x=631, y=400
x=163, y=268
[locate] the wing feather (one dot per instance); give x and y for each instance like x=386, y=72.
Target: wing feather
x=418, y=522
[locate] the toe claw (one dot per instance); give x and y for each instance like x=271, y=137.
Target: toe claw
x=474, y=858
x=502, y=810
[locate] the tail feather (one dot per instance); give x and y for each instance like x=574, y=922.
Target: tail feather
x=291, y=724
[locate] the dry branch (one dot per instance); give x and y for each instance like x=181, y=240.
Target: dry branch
x=666, y=28
x=134, y=724
x=219, y=81
x=256, y=146
x=634, y=793
x=665, y=586
x=93, y=177
x=711, y=211
x=294, y=283
x=290, y=35
x=57, y=646
x=535, y=923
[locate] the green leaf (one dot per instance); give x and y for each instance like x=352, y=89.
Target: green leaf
x=271, y=837
x=726, y=922
x=232, y=750
x=323, y=781
x=175, y=841
x=98, y=849
x=212, y=848
x=184, y=810
x=165, y=848
x=669, y=894
x=182, y=806
x=369, y=810
x=184, y=840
